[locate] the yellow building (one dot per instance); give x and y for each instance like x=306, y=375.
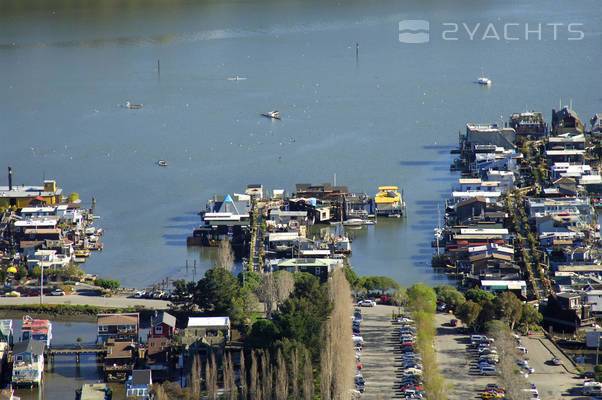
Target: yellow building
x=23, y=196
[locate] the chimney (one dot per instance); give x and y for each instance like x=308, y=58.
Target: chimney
x=10, y=178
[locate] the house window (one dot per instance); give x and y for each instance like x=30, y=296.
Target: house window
x=19, y=358
x=152, y=344
x=103, y=328
x=159, y=330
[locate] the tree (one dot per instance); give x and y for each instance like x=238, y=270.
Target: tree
x=216, y=291
x=263, y=334
x=422, y=298
x=284, y=285
x=250, y=279
x=352, y=277
x=399, y=297
x=73, y=197
x=110, y=284
x=281, y=389
x=477, y=295
x=450, y=295
x=530, y=316
x=509, y=307
x=182, y=295
x=487, y=313
x=468, y=313
x=36, y=272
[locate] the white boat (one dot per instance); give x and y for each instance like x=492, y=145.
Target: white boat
x=353, y=222
x=132, y=106
x=272, y=114
x=484, y=81
x=237, y=78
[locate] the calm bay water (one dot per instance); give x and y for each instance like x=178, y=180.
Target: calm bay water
x=389, y=117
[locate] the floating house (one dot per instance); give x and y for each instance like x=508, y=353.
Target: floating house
x=6, y=341
x=207, y=330
x=24, y=196
x=163, y=325
x=565, y=120
x=139, y=384
x=120, y=327
x=36, y=329
x=120, y=360
x=94, y=391
x=529, y=124
x=28, y=363
x=389, y=202
x=223, y=218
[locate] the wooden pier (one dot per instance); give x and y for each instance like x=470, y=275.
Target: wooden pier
x=76, y=350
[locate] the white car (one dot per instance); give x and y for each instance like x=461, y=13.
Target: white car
x=367, y=303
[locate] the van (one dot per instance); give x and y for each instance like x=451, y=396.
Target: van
x=488, y=370
x=476, y=338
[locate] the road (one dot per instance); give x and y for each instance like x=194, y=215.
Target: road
x=380, y=353
x=459, y=366
x=114, y=301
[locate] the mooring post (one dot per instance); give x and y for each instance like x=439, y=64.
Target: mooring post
x=77, y=358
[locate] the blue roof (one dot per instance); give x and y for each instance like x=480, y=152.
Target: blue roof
x=228, y=199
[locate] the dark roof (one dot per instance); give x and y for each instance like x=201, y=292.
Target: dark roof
x=476, y=199
x=254, y=186
x=29, y=346
x=165, y=318
x=141, y=377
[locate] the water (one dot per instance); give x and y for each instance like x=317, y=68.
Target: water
x=389, y=117
x=64, y=376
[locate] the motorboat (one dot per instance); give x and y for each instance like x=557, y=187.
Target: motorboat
x=237, y=78
x=484, y=81
x=272, y=114
x=132, y=106
x=353, y=222
x=162, y=163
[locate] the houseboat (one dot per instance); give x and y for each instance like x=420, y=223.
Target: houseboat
x=389, y=202
x=28, y=363
x=36, y=329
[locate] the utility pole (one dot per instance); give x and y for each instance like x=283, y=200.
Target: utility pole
x=42, y=285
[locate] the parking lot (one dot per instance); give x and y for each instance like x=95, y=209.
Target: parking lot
x=379, y=355
x=458, y=365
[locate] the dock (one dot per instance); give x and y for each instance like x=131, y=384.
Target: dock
x=75, y=350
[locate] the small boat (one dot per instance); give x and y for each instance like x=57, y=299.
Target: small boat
x=353, y=222
x=484, y=81
x=272, y=114
x=237, y=78
x=132, y=106
x=162, y=163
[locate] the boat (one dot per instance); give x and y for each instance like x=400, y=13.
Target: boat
x=484, y=81
x=162, y=163
x=389, y=202
x=237, y=78
x=272, y=114
x=36, y=329
x=353, y=222
x=132, y=106
x=82, y=253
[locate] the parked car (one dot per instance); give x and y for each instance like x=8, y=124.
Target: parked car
x=556, y=361
x=57, y=292
x=367, y=303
